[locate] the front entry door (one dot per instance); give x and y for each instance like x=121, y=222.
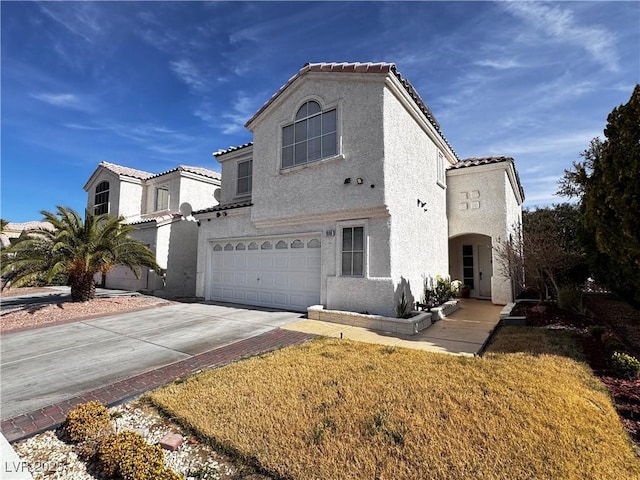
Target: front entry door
x=485, y=270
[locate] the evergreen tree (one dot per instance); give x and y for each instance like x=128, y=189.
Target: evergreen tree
x=608, y=183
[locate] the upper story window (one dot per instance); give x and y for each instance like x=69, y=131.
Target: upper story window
x=101, y=203
x=311, y=137
x=162, y=198
x=245, y=177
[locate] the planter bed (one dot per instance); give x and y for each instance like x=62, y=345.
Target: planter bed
x=408, y=326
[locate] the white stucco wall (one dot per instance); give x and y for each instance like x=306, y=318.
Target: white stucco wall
x=198, y=192
x=181, y=267
x=130, y=198
x=318, y=187
x=229, y=167
x=419, y=234
x=481, y=199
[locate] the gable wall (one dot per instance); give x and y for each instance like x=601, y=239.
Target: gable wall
x=318, y=187
x=419, y=239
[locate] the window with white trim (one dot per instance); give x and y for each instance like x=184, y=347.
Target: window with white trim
x=245, y=177
x=441, y=170
x=353, y=251
x=311, y=137
x=162, y=198
x=101, y=201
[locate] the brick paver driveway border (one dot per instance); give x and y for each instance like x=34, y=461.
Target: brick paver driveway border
x=29, y=424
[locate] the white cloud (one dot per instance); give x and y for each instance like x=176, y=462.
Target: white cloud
x=560, y=24
x=65, y=100
x=556, y=143
x=243, y=108
x=499, y=64
x=190, y=74
x=84, y=19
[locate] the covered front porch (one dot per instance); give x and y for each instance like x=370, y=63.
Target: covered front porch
x=472, y=260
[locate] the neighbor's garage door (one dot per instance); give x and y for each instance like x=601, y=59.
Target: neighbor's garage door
x=271, y=272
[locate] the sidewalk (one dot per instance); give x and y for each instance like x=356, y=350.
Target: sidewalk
x=464, y=332
x=28, y=424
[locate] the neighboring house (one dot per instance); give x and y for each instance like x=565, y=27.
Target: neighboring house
x=159, y=206
x=348, y=195
x=13, y=231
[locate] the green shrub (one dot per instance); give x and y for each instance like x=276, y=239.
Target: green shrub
x=438, y=291
x=128, y=456
x=403, y=309
x=624, y=365
x=86, y=421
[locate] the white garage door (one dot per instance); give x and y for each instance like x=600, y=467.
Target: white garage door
x=271, y=272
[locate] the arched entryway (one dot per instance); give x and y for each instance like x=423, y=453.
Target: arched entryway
x=471, y=261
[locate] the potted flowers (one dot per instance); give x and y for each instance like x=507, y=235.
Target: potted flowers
x=465, y=291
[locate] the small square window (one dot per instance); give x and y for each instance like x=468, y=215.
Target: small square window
x=162, y=198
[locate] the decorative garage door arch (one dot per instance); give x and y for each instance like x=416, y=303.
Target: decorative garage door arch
x=277, y=272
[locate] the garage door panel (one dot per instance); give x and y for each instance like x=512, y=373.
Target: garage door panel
x=285, y=278
x=281, y=280
x=281, y=262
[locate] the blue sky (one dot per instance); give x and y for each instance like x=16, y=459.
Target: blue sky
x=152, y=85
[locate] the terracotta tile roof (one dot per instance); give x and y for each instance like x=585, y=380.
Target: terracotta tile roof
x=126, y=171
x=205, y=172
x=19, y=227
x=232, y=149
x=475, y=161
x=156, y=218
x=356, y=67
x=142, y=175
x=225, y=206
x=478, y=161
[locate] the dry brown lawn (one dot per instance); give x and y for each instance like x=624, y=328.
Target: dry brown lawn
x=335, y=409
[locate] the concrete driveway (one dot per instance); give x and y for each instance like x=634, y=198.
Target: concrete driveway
x=45, y=366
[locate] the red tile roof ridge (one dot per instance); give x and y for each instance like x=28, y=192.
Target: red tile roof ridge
x=126, y=171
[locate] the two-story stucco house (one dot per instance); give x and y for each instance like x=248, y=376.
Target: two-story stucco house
x=348, y=195
x=160, y=206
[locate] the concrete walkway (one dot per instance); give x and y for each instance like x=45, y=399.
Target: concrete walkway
x=464, y=332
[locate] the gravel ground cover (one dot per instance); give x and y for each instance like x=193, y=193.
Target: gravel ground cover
x=49, y=458
x=58, y=312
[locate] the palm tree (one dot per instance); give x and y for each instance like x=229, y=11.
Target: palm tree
x=76, y=249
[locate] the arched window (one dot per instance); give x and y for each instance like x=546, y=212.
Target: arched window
x=101, y=203
x=311, y=137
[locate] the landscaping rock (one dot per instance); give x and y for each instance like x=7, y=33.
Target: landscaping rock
x=171, y=441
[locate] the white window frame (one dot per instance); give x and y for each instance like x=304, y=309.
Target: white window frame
x=341, y=226
x=248, y=177
x=323, y=111
x=156, y=200
x=441, y=175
